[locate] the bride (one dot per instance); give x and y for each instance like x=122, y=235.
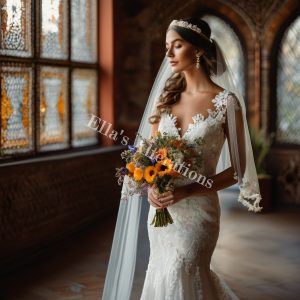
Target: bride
x=193, y=96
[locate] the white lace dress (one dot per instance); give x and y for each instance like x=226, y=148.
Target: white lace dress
x=180, y=254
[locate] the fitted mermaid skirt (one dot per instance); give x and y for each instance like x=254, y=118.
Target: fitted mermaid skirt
x=180, y=254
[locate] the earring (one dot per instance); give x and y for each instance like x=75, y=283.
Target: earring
x=198, y=61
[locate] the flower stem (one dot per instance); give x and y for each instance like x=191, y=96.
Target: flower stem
x=162, y=218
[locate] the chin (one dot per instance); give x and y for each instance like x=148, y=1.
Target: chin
x=176, y=69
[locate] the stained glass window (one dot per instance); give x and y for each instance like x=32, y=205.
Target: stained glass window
x=230, y=43
x=54, y=31
x=53, y=108
x=84, y=104
x=47, y=95
x=15, y=23
x=288, y=87
x=16, y=109
x=84, y=32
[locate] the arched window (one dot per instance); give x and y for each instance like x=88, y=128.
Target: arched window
x=231, y=43
x=288, y=86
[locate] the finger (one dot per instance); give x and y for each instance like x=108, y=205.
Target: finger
x=165, y=194
x=155, y=194
x=167, y=199
x=155, y=201
x=169, y=203
x=154, y=205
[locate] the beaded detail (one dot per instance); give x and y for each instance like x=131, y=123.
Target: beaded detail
x=187, y=25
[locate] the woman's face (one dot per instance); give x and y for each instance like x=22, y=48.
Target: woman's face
x=180, y=53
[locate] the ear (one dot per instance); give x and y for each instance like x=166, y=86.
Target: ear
x=199, y=51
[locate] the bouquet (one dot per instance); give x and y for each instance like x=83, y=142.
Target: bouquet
x=157, y=162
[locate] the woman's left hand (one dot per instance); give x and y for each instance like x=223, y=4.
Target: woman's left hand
x=170, y=198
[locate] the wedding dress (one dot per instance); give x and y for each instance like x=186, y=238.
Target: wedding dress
x=180, y=254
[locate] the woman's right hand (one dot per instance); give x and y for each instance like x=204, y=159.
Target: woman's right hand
x=152, y=197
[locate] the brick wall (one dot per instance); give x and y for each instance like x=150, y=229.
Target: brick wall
x=44, y=201
x=140, y=35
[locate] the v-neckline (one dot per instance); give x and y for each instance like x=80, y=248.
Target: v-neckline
x=178, y=129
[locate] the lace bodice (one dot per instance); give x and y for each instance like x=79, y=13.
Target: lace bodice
x=210, y=129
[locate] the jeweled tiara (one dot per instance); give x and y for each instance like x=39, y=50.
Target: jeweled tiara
x=188, y=25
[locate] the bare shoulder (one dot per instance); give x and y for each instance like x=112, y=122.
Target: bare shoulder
x=232, y=98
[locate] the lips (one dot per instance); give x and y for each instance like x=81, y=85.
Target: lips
x=173, y=62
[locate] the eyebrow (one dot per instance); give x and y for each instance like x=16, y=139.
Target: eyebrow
x=175, y=41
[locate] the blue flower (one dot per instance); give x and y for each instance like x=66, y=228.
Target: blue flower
x=132, y=148
x=153, y=160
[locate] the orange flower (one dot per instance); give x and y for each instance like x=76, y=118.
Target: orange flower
x=169, y=165
x=161, y=153
x=177, y=143
x=138, y=174
x=150, y=174
x=160, y=169
x=174, y=173
x=164, y=167
x=130, y=167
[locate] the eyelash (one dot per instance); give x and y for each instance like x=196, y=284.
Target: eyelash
x=177, y=47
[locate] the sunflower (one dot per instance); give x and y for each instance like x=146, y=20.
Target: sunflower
x=164, y=167
x=150, y=174
x=138, y=174
x=168, y=164
x=160, y=168
x=130, y=166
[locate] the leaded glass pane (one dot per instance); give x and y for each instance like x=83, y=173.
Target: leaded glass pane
x=15, y=24
x=229, y=43
x=16, y=109
x=84, y=104
x=84, y=30
x=288, y=87
x=54, y=33
x=53, y=108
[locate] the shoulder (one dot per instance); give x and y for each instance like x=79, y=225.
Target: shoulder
x=232, y=99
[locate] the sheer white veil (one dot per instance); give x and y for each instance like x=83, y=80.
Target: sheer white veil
x=126, y=269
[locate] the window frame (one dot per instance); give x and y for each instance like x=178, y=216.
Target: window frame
x=273, y=102
x=35, y=61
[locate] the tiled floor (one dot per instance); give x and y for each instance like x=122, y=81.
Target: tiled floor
x=257, y=255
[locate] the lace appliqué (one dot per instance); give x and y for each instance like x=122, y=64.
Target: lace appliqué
x=248, y=189
x=248, y=197
x=214, y=117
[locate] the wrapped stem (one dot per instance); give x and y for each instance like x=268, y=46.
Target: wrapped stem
x=162, y=218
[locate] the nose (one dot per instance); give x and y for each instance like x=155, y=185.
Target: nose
x=169, y=52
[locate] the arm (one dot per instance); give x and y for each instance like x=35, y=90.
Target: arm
x=154, y=129
x=237, y=151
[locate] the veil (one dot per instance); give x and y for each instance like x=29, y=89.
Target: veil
x=126, y=267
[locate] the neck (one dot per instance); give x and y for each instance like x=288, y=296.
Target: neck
x=197, y=81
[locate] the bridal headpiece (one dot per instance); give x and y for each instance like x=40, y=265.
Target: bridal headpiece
x=187, y=25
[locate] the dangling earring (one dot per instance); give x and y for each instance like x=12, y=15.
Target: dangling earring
x=198, y=61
